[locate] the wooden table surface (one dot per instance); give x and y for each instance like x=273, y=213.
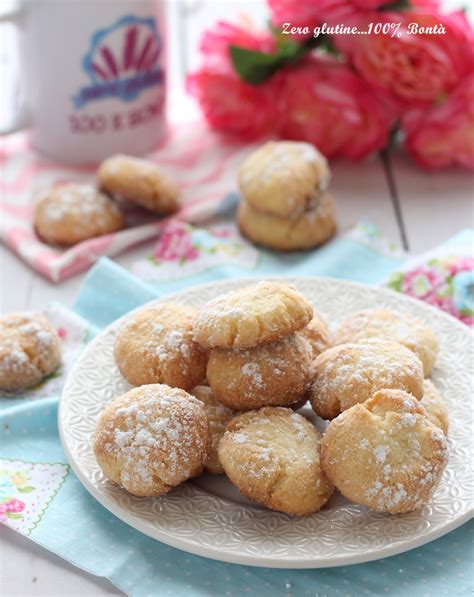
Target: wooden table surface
x=411, y=207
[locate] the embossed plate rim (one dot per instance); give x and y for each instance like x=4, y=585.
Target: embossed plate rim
x=241, y=556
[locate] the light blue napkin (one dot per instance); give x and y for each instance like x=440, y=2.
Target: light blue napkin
x=42, y=498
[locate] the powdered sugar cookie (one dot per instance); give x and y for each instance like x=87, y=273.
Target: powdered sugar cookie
x=218, y=416
x=385, y=453
x=317, y=334
x=30, y=349
x=155, y=345
x=275, y=374
x=435, y=406
x=250, y=316
x=384, y=323
x=350, y=373
x=309, y=229
x=139, y=181
x=71, y=213
x=284, y=178
x=272, y=456
x=151, y=439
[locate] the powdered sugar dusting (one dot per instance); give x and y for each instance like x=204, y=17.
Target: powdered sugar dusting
x=153, y=432
x=27, y=343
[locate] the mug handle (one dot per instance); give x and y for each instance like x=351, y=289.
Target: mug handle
x=21, y=119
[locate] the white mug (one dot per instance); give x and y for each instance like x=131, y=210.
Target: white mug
x=93, y=76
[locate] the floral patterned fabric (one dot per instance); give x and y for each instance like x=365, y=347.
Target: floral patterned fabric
x=444, y=280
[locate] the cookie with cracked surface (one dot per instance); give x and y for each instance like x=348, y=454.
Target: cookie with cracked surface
x=140, y=182
x=309, y=229
x=272, y=456
x=275, y=374
x=400, y=327
x=284, y=178
x=435, y=406
x=71, y=213
x=218, y=416
x=152, y=439
x=385, y=453
x=30, y=350
x=155, y=345
x=258, y=314
x=348, y=374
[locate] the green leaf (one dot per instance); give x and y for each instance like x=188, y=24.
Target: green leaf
x=395, y=281
x=14, y=515
x=26, y=489
x=395, y=5
x=254, y=67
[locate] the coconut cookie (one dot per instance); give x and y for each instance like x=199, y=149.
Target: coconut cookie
x=275, y=374
x=250, y=316
x=155, y=345
x=139, y=181
x=308, y=229
x=348, y=374
x=284, y=178
x=68, y=214
x=218, y=416
x=151, y=439
x=435, y=406
x=317, y=334
x=272, y=456
x=384, y=323
x=385, y=453
x=30, y=350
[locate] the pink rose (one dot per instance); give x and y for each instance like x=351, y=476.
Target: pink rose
x=443, y=135
x=232, y=106
x=215, y=42
x=229, y=104
x=416, y=69
x=328, y=105
x=175, y=244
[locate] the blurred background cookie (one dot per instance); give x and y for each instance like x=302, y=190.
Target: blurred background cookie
x=283, y=200
x=275, y=374
x=400, y=327
x=30, y=349
x=385, y=453
x=139, y=181
x=272, y=456
x=253, y=315
x=284, y=178
x=155, y=345
x=151, y=439
x=309, y=229
x=351, y=373
x=68, y=214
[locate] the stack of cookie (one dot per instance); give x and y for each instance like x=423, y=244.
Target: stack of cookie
x=256, y=356
x=284, y=200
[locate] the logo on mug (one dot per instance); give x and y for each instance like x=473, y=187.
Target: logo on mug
x=122, y=61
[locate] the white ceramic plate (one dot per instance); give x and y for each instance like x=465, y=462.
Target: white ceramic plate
x=208, y=517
